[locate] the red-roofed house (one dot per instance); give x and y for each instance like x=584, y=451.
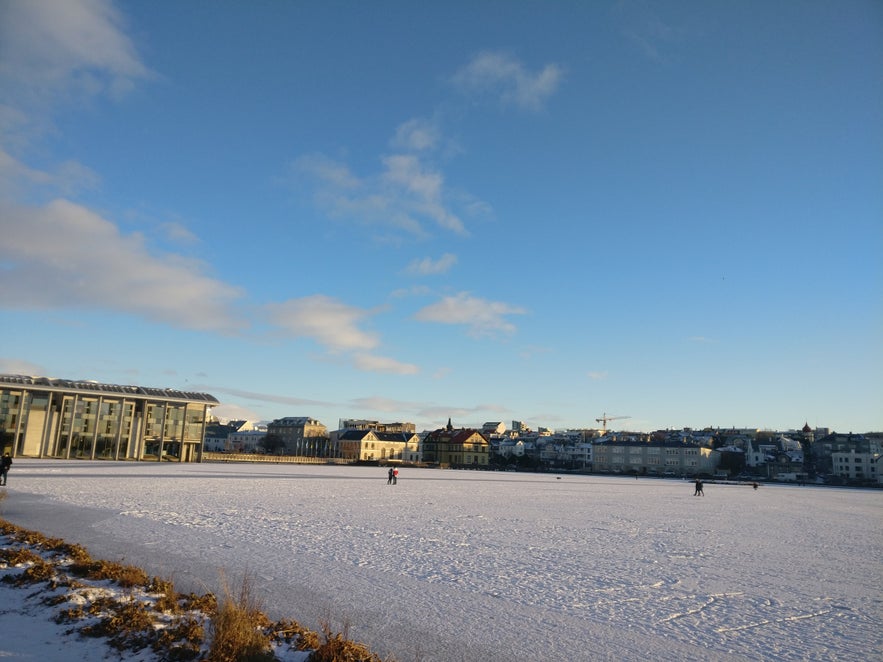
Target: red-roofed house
x=456, y=447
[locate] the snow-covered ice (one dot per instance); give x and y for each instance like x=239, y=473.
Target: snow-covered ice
x=461, y=565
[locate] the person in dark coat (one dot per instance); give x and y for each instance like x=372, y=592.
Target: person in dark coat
x=5, y=463
x=700, y=490
x=391, y=476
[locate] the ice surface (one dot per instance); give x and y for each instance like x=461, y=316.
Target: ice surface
x=462, y=565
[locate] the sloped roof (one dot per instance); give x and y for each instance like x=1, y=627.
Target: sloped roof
x=460, y=436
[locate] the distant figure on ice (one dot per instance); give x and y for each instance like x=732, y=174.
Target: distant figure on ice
x=395, y=476
x=5, y=463
x=700, y=489
x=754, y=485
x=391, y=475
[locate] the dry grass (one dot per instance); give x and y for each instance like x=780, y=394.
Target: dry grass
x=338, y=647
x=126, y=576
x=151, y=614
x=126, y=625
x=237, y=627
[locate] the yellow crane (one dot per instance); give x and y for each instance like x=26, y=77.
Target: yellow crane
x=604, y=418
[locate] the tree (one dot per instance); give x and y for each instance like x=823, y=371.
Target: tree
x=273, y=444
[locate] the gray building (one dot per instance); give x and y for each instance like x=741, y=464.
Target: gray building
x=301, y=435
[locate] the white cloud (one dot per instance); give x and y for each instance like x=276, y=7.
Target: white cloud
x=231, y=412
x=18, y=179
x=420, y=190
x=19, y=367
x=74, y=47
x=327, y=170
x=63, y=255
x=178, y=233
x=416, y=135
x=261, y=397
x=597, y=375
x=334, y=325
x=483, y=317
x=429, y=267
x=503, y=75
x=405, y=195
x=373, y=363
x=325, y=320
x=646, y=30
x=414, y=291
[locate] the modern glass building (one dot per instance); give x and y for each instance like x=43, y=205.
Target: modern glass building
x=60, y=418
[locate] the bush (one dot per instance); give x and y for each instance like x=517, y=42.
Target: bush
x=236, y=629
x=338, y=647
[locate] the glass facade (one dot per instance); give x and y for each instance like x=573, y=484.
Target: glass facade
x=42, y=417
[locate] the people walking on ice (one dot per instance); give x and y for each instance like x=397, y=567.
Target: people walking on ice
x=395, y=476
x=700, y=489
x=390, y=475
x=5, y=463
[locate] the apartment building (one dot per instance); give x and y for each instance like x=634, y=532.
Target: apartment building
x=301, y=435
x=370, y=445
x=668, y=458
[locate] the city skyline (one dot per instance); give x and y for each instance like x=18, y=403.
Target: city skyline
x=538, y=212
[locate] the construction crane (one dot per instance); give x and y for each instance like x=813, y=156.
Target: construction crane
x=604, y=418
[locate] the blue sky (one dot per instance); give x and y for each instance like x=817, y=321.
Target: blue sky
x=535, y=211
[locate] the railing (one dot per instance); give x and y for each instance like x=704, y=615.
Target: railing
x=270, y=459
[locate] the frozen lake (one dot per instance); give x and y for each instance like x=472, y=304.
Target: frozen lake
x=459, y=565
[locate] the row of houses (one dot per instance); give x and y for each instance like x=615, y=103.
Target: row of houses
x=356, y=441
x=58, y=418
x=793, y=455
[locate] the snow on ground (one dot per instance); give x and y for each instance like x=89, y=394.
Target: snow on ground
x=461, y=565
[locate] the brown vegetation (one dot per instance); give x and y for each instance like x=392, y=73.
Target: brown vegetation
x=149, y=613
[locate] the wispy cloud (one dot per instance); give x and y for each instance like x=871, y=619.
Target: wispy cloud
x=597, y=375
x=482, y=317
x=72, y=49
x=428, y=413
x=384, y=404
x=374, y=363
x=460, y=415
x=504, y=76
x=529, y=351
x=329, y=322
x=406, y=195
x=177, y=233
x=649, y=33
x=63, y=255
x=19, y=367
x=429, y=267
x=65, y=179
x=413, y=291
x=260, y=397
x=417, y=135
x=335, y=326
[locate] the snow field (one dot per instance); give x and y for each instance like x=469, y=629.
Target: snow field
x=461, y=565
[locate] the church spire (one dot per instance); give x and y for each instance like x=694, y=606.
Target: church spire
x=450, y=427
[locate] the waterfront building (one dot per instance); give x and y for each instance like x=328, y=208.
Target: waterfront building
x=370, y=445
x=449, y=447
x=377, y=426
x=77, y=419
x=856, y=465
x=659, y=458
x=301, y=435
